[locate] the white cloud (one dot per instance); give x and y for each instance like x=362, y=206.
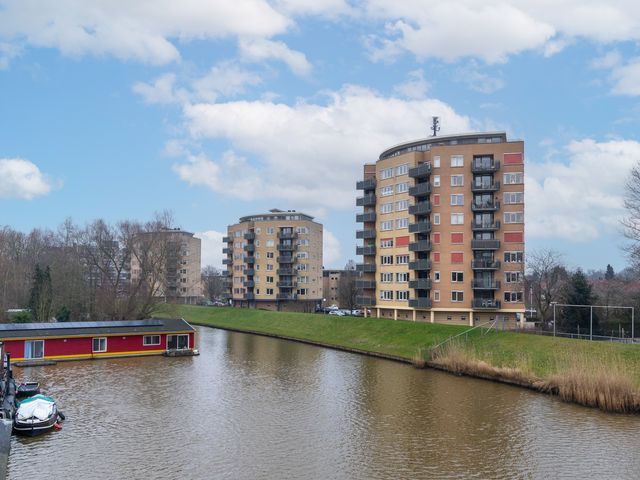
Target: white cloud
x=414, y=87
x=331, y=251
x=211, y=248
x=140, y=30
x=477, y=80
x=307, y=154
x=22, y=179
x=7, y=52
x=582, y=198
x=225, y=79
x=260, y=49
x=160, y=91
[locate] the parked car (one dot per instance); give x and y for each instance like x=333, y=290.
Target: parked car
x=356, y=313
x=338, y=313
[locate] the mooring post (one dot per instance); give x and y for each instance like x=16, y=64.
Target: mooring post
x=632, y=326
x=591, y=323
x=554, y=319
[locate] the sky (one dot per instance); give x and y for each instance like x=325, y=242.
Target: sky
x=117, y=109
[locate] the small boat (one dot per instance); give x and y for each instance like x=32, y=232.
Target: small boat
x=26, y=390
x=35, y=415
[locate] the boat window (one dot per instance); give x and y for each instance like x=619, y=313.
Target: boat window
x=151, y=340
x=99, y=344
x=34, y=349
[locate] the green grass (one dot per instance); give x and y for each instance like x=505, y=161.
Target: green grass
x=537, y=356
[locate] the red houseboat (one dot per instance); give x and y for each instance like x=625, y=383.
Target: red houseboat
x=84, y=340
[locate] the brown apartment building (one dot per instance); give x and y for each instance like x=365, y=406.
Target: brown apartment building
x=443, y=230
x=274, y=261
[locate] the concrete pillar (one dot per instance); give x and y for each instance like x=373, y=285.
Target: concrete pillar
x=395, y=314
x=377, y=313
x=414, y=315
x=432, y=319
x=471, y=321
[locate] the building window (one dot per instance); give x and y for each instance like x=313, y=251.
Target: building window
x=513, y=217
x=402, y=294
x=270, y=243
x=386, y=225
x=270, y=230
x=386, y=294
x=386, y=208
x=99, y=344
x=402, y=223
x=457, y=296
x=302, y=230
x=402, y=277
x=513, y=277
x=302, y=291
x=269, y=254
x=457, y=277
x=402, y=205
x=386, y=173
x=386, y=277
x=436, y=295
x=151, y=340
x=386, y=191
x=402, y=259
x=269, y=266
x=436, y=180
x=513, y=297
x=386, y=259
x=303, y=279
x=402, y=169
x=269, y=279
x=436, y=219
x=386, y=243
x=513, y=178
x=457, y=161
x=513, y=257
x=457, y=180
x=457, y=219
x=511, y=198
x=302, y=255
x=457, y=199
x=402, y=187
x=269, y=291
x=436, y=161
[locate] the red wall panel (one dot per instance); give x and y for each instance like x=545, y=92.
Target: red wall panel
x=402, y=241
x=514, y=237
x=513, y=158
x=457, y=238
x=457, y=257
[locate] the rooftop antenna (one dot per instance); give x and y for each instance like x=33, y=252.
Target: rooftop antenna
x=435, y=125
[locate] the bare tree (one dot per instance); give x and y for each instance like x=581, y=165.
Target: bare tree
x=347, y=287
x=547, y=279
x=213, y=279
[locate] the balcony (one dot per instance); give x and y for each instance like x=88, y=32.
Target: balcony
x=250, y=236
x=283, y=247
x=485, y=226
x=420, y=171
x=420, y=189
x=250, y=260
x=227, y=250
x=227, y=239
x=366, y=267
x=366, y=201
x=366, y=284
x=287, y=235
x=366, y=234
x=420, y=265
x=250, y=248
x=368, y=184
x=366, y=301
x=249, y=284
x=485, y=284
x=288, y=259
x=367, y=250
x=485, y=244
x=286, y=272
x=420, y=227
x=249, y=272
x=485, y=187
x=420, y=208
x=485, y=303
x=485, y=264
x=485, y=167
x=249, y=296
x=421, y=302
x=485, y=207
x=421, y=246
x=228, y=273
x=366, y=217
x=286, y=284
x=227, y=261
x=286, y=296
x=420, y=284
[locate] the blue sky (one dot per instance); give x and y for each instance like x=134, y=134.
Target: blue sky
x=216, y=110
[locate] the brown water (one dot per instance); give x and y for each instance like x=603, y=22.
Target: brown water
x=251, y=407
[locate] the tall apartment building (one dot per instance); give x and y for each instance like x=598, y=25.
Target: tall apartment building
x=274, y=261
x=443, y=230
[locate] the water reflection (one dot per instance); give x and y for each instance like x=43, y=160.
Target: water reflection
x=255, y=407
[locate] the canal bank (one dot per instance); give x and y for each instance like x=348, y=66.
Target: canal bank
x=595, y=374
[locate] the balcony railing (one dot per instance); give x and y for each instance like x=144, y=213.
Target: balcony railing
x=287, y=296
x=485, y=167
x=249, y=248
x=366, y=267
x=250, y=236
x=420, y=171
x=420, y=189
x=286, y=284
x=420, y=265
x=227, y=239
x=485, y=206
x=249, y=284
x=420, y=284
x=229, y=273
x=366, y=250
x=366, y=284
x=421, y=246
x=485, y=187
x=284, y=247
x=366, y=301
x=249, y=296
x=366, y=217
x=227, y=250
x=420, y=303
x=250, y=260
x=420, y=208
x=227, y=261
x=368, y=184
x=286, y=259
x=420, y=227
x=249, y=272
x=484, y=303
x=485, y=244
x=366, y=201
x=486, y=226
x=485, y=284
x=485, y=264
x=286, y=272
x=287, y=235
x=366, y=234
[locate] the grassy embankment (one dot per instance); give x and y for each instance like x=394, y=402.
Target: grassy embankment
x=598, y=374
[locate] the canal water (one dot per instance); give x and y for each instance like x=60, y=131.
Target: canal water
x=251, y=407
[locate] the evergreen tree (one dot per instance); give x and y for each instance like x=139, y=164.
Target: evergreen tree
x=579, y=293
x=41, y=297
x=609, y=274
